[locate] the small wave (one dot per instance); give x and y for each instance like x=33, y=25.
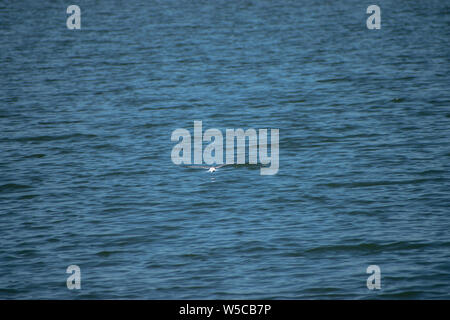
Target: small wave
x=369, y=247
x=51, y=138
x=106, y=253
x=333, y=80
x=375, y=183
x=11, y=187
x=35, y=156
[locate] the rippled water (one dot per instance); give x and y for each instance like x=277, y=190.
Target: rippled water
x=86, y=175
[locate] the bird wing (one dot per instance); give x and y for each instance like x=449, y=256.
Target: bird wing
x=199, y=167
x=222, y=165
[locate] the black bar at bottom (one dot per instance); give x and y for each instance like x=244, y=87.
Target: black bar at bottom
x=217, y=309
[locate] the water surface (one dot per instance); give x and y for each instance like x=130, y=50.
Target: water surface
x=86, y=176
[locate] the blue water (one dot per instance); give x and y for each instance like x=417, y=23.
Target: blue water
x=86, y=176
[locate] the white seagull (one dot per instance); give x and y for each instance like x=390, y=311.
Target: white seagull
x=210, y=168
